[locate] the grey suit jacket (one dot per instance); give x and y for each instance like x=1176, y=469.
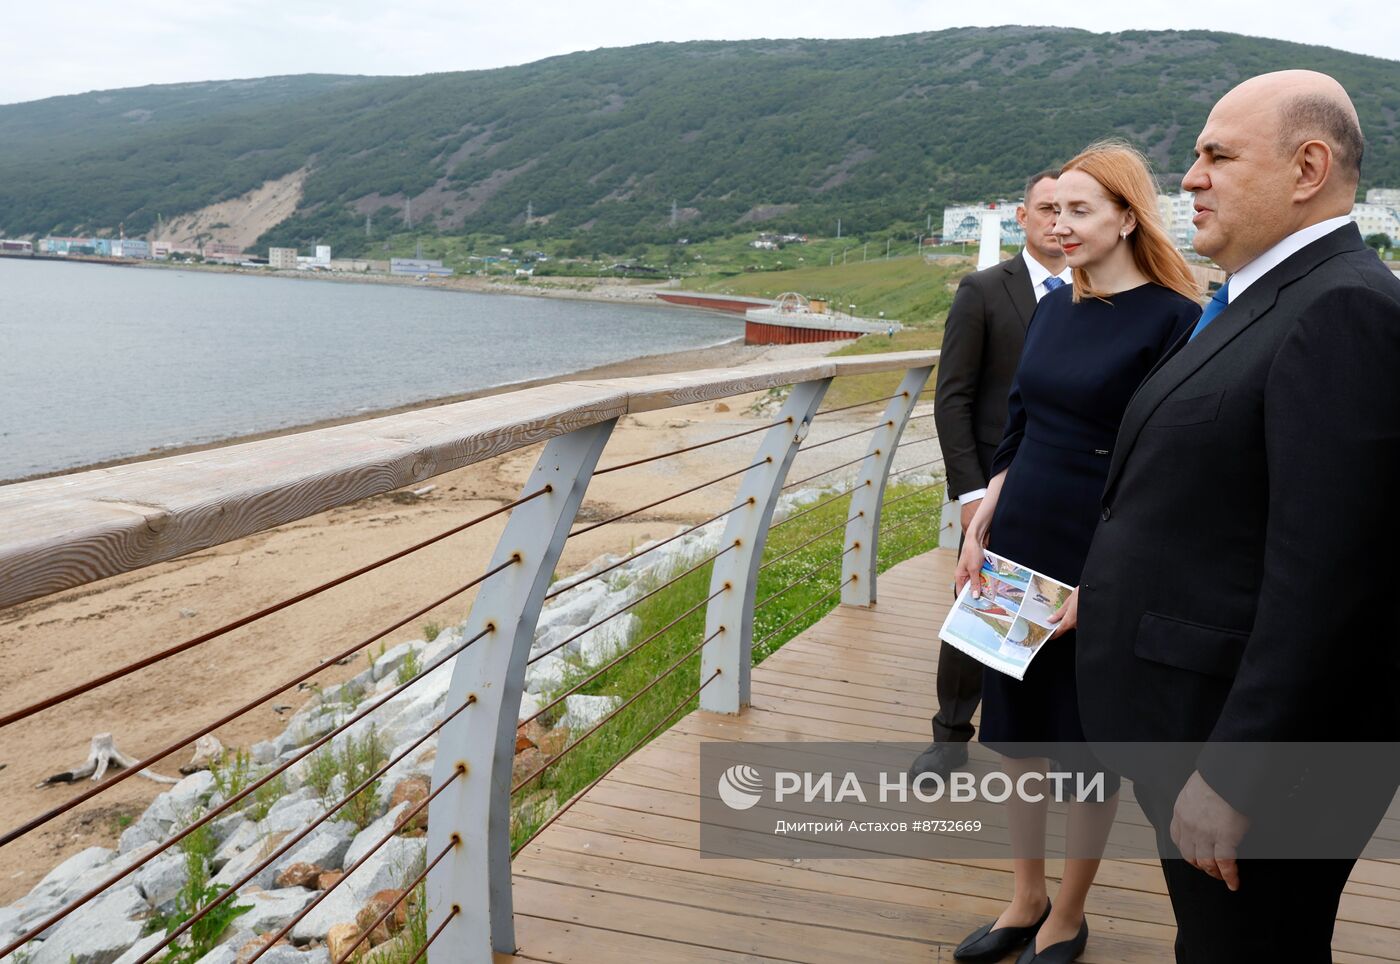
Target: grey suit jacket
x=982, y=342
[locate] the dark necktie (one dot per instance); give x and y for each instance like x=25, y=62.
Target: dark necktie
x=1215, y=306
x=1051, y=283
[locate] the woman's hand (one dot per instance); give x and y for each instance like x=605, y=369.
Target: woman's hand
x=1067, y=616
x=970, y=562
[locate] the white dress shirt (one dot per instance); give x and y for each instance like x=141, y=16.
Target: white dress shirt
x=1275, y=256
x=1038, y=273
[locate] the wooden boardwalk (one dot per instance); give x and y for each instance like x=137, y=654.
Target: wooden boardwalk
x=620, y=875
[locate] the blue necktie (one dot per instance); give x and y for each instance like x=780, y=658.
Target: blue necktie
x=1051, y=283
x=1218, y=302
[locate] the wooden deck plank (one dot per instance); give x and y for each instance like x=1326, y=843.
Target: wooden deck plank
x=621, y=873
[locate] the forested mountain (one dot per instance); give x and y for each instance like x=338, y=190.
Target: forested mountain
x=598, y=145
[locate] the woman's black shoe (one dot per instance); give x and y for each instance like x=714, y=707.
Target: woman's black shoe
x=985, y=944
x=1061, y=953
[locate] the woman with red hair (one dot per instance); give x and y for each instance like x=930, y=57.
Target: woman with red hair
x=1088, y=347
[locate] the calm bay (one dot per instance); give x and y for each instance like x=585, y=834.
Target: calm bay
x=102, y=362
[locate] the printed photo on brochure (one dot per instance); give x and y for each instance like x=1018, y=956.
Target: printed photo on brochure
x=1004, y=627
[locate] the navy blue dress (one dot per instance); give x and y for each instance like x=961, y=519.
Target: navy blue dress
x=1080, y=366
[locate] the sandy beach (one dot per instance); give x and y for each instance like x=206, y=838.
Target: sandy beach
x=49, y=644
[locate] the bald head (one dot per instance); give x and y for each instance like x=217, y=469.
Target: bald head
x=1278, y=153
x=1307, y=106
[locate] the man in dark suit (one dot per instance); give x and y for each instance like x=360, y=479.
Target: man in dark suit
x=982, y=341
x=1254, y=468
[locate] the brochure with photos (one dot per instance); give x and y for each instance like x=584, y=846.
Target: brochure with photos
x=1005, y=627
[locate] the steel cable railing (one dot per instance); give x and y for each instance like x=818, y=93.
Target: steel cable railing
x=422, y=951
x=14, y=834
x=646, y=737
x=154, y=658
x=651, y=548
x=847, y=408
x=909, y=495
x=241, y=795
x=404, y=821
x=839, y=438
x=896, y=528
x=804, y=577
x=816, y=538
x=403, y=895
x=631, y=605
x=619, y=658
x=525, y=781
x=669, y=498
x=792, y=485
x=920, y=465
x=576, y=463
x=792, y=619
x=691, y=448
x=286, y=845
x=825, y=502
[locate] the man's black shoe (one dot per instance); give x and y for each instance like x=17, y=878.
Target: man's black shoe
x=939, y=758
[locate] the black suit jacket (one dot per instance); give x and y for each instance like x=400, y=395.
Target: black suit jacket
x=982, y=342
x=1240, y=586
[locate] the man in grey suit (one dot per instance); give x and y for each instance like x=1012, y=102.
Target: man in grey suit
x=981, y=347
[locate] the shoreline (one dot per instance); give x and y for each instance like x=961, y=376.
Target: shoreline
x=563, y=287
x=723, y=354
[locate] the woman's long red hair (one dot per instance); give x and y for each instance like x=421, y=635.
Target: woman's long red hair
x=1125, y=174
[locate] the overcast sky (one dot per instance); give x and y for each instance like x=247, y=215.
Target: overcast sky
x=80, y=45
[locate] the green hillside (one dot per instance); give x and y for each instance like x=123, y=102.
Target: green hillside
x=784, y=133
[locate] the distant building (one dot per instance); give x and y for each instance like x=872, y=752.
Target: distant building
x=323, y=254
x=219, y=251
x=348, y=264
x=1177, y=210
x=131, y=248
x=65, y=246
x=417, y=266
x=964, y=223
x=1377, y=218
x=282, y=259
x=12, y=246
x=160, y=249
x=1389, y=196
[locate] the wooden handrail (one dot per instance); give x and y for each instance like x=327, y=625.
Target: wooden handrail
x=65, y=531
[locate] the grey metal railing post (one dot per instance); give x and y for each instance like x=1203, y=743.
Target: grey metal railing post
x=731, y=651
x=950, y=526
x=863, y=526
x=476, y=877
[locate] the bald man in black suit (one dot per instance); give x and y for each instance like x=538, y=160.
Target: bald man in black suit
x=1256, y=468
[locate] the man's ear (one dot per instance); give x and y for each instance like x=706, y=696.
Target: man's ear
x=1312, y=167
x=1021, y=216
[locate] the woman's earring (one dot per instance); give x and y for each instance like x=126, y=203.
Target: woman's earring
x=1124, y=234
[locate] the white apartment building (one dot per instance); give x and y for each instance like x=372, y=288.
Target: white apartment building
x=964, y=223
x=1388, y=196
x=1372, y=218
x=1176, y=211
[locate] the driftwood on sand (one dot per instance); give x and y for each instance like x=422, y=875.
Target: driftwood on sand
x=102, y=756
